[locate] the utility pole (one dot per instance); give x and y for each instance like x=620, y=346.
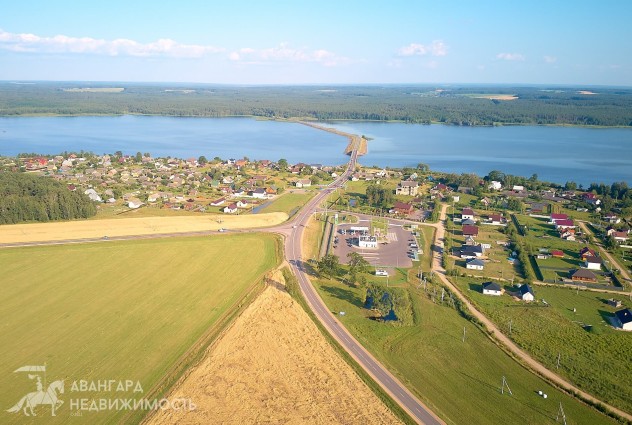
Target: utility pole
x=510, y=322
x=505, y=384
x=558, y=360
x=560, y=413
x=464, y=337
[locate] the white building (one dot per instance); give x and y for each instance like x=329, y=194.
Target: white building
x=593, y=263
x=623, y=319
x=491, y=288
x=494, y=185
x=367, y=242
x=474, y=264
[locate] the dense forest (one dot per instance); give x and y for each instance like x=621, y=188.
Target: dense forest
x=457, y=105
x=24, y=197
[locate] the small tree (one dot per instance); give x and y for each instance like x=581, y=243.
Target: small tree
x=358, y=262
x=329, y=265
x=202, y=160
x=282, y=163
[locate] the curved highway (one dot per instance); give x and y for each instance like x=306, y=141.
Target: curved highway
x=415, y=408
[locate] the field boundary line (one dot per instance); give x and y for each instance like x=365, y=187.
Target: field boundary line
x=184, y=365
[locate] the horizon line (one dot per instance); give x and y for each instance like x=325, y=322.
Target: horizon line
x=443, y=84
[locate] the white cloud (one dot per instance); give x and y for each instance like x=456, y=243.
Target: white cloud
x=119, y=47
x=550, y=59
x=510, y=56
x=285, y=53
x=436, y=48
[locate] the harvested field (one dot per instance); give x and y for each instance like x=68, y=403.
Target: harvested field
x=95, y=90
x=497, y=97
x=274, y=366
x=39, y=232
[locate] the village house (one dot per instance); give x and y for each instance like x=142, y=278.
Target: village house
x=303, y=183
x=557, y=253
x=620, y=236
x=471, y=251
x=592, y=263
x=586, y=252
x=402, y=208
x=467, y=213
x=583, y=275
x=259, y=193
x=469, y=230
x=612, y=218
x=591, y=199
x=407, y=187
x=495, y=219
x=230, y=209
x=557, y=216
x=526, y=293
x=614, y=302
x=564, y=224
x=474, y=264
x=492, y=288
x=623, y=319
x=441, y=188
x=494, y=185
x=217, y=202
x=537, y=207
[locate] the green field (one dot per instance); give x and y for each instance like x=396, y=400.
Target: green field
x=117, y=310
x=288, y=203
x=596, y=359
x=460, y=381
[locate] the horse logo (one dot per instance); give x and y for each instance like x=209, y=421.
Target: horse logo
x=40, y=396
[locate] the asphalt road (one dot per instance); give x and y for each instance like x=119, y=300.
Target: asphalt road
x=388, y=382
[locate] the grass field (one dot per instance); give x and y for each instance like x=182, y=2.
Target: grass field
x=460, y=381
x=288, y=203
x=121, y=310
x=596, y=360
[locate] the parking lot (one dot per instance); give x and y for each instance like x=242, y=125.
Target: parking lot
x=393, y=251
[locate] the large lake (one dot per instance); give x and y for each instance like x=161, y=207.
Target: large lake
x=555, y=154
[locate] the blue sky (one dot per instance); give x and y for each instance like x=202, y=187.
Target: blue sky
x=319, y=42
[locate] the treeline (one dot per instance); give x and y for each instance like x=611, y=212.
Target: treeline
x=24, y=197
x=414, y=104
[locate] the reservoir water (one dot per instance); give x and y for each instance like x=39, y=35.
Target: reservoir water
x=556, y=154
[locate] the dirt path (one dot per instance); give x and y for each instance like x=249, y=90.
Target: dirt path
x=503, y=339
x=274, y=366
x=613, y=261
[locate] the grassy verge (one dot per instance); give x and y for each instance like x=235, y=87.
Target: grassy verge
x=288, y=202
x=294, y=290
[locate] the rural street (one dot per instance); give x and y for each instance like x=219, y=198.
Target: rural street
x=614, y=263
